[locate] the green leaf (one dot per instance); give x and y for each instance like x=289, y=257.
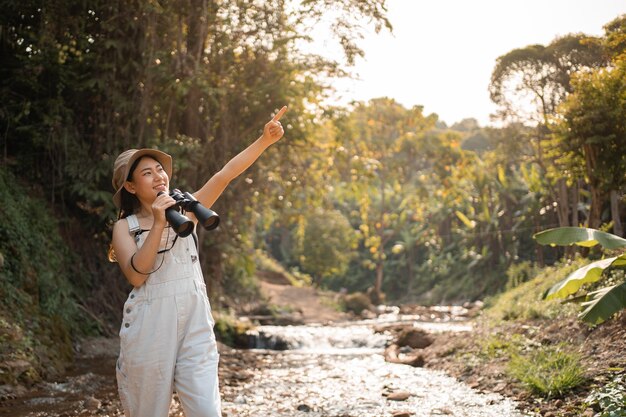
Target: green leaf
x=580, y=236
x=588, y=273
x=465, y=220
x=604, y=303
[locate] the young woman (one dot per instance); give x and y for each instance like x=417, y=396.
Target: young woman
x=166, y=339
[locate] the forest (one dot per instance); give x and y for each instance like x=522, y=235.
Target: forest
x=372, y=197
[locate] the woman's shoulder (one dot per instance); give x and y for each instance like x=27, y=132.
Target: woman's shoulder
x=120, y=225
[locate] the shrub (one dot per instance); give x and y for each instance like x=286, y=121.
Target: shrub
x=525, y=301
x=39, y=287
x=519, y=273
x=547, y=371
x=356, y=302
x=611, y=398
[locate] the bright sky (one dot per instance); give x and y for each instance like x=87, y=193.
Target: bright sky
x=442, y=52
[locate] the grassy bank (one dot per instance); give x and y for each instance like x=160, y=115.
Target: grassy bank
x=538, y=352
x=39, y=312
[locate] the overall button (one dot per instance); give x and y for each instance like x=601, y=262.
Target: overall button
x=132, y=296
x=126, y=325
x=128, y=310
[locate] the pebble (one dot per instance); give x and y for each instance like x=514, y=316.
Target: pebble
x=399, y=396
x=304, y=407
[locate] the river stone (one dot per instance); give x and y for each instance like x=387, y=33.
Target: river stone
x=415, y=338
x=401, y=414
x=304, y=407
x=393, y=354
x=92, y=404
x=399, y=396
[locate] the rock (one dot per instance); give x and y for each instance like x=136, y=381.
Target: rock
x=500, y=387
x=401, y=413
x=367, y=314
x=392, y=354
x=399, y=396
x=415, y=338
x=18, y=366
x=92, y=404
x=304, y=407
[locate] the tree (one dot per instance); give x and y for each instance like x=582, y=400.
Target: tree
x=328, y=244
x=374, y=165
x=529, y=83
x=590, y=131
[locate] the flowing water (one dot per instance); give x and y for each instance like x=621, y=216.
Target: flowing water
x=339, y=371
x=292, y=371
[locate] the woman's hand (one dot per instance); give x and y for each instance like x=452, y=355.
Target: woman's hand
x=159, y=205
x=273, y=130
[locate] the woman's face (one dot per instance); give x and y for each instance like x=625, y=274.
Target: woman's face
x=148, y=179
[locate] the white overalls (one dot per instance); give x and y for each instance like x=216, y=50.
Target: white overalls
x=167, y=340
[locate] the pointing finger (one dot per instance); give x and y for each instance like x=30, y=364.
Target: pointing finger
x=279, y=114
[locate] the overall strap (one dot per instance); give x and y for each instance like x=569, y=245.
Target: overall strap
x=135, y=230
x=133, y=226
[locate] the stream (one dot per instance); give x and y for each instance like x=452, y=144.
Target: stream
x=311, y=370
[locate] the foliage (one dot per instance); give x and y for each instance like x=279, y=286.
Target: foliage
x=40, y=308
x=439, y=215
x=590, y=131
x=83, y=81
x=525, y=301
x=581, y=236
x=548, y=371
x=600, y=304
x=239, y=272
x=327, y=246
x=610, y=398
x=356, y=302
x=519, y=273
x=539, y=75
x=231, y=331
x=265, y=263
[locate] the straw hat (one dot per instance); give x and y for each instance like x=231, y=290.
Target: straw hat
x=125, y=161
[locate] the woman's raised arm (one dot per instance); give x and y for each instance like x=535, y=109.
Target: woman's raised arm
x=214, y=187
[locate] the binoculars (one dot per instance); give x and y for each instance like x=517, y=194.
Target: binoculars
x=181, y=224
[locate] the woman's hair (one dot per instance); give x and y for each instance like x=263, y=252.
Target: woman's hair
x=129, y=202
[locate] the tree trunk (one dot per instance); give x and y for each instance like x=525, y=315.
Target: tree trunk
x=538, y=248
x=197, y=25
x=409, y=261
x=378, y=284
x=562, y=208
x=575, y=202
x=617, y=223
x=595, y=211
x=378, y=295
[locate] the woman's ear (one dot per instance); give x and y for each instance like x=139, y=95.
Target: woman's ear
x=129, y=187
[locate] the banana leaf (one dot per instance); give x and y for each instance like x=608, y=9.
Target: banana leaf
x=580, y=236
x=586, y=274
x=604, y=303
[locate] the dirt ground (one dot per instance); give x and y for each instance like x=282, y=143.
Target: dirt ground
x=602, y=352
x=314, y=306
